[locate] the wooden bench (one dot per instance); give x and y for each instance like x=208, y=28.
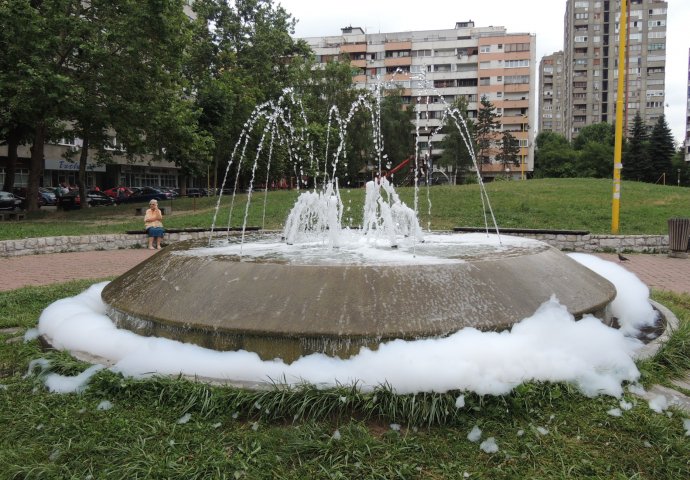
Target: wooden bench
x=12, y=216
x=139, y=211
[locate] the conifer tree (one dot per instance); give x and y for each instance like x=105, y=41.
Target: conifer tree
x=661, y=150
x=636, y=165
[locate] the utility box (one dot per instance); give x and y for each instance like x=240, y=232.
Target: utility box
x=678, y=233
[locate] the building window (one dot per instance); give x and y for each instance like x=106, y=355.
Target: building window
x=485, y=48
x=516, y=79
x=517, y=47
x=516, y=63
x=484, y=81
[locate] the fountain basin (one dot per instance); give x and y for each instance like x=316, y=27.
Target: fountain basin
x=283, y=301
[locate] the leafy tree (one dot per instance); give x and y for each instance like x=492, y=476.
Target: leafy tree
x=456, y=154
x=241, y=55
x=661, y=150
x=396, y=127
x=39, y=40
x=485, y=132
x=554, y=156
x=636, y=164
x=595, y=145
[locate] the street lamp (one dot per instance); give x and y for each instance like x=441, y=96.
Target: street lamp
x=525, y=128
x=679, y=177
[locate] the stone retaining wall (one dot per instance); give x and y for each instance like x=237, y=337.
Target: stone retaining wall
x=601, y=243
x=576, y=243
x=83, y=243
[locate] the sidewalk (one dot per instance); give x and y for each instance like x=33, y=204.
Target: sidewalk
x=657, y=271
x=22, y=271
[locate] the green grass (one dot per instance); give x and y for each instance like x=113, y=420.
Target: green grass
x=290, y=433
x=570, y=204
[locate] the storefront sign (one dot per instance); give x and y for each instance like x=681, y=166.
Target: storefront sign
x=63, y=164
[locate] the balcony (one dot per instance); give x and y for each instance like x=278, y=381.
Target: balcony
x=397, y=61
x=353, y=48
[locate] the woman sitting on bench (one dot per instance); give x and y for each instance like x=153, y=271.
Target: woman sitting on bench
x=153, y=223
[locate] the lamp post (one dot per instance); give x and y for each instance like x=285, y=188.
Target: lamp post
x=679, y=177
x=525, y=128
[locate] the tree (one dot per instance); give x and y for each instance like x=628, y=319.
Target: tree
x=485, y=132
x=89, y=67
x=396, y=127
x=39, y=39
x=554, y=156
x=456, y=153
x=510, y=150
x=240, y=56
x=661, y=150
x=636, y=164
x=594, y=145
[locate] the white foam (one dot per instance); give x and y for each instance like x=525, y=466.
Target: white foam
x=547, y=346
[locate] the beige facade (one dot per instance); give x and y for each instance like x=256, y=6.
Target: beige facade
x=591, y=38
x=436, y=67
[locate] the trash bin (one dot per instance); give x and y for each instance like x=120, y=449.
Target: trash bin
x=678, y=233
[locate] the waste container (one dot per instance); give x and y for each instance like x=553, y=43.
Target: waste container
x=678, y=233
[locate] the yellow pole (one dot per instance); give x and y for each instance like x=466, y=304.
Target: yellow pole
x=618, y=149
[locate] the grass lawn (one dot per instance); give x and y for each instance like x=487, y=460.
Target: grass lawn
x=173, y=428
x=571, y=204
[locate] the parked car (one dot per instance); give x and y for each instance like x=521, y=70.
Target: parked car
x=195, y=192
x=72, y=200
x=48, y=196
x=10, y=202
x=22, y=194
x=113, y=192
x=145, y=194
x=171, y=190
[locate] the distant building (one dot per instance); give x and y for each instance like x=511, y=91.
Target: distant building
x=57, y=169
x=551, y=89
x=591, y=62
x=465, y=61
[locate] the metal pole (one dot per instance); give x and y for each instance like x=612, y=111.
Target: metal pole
x=618, y=149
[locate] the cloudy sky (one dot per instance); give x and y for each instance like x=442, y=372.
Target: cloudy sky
x=542, y=17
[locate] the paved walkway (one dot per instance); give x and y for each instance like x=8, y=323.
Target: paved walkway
x=657, y=271
x=44, y=269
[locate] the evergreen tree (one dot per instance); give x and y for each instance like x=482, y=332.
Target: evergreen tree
x=636, y=165
x=661, y=151
x=485, y=133
x=510, y=150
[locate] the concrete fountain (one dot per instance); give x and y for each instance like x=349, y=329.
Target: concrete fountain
x=319, y=287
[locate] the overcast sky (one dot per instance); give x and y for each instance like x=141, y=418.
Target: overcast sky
x=542, y=17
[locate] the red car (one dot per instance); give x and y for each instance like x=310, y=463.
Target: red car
x=113, y=192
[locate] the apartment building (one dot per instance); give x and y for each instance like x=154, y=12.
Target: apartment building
x=551, y=89
x=435, y=67
x=591, y=38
